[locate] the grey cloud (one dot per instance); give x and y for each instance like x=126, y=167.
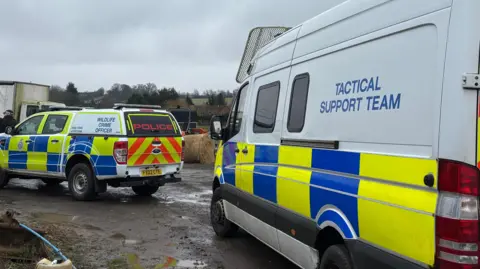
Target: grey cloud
x=187, y=44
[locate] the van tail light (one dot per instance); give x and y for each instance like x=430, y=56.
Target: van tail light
x=183, y=149
x=120, y=152
x=456, y=221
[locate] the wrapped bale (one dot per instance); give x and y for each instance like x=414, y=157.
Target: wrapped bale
x=199, y=148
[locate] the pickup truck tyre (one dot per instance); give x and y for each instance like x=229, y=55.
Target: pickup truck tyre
x=3, y=178
x=145, y=190
x=51, y=181
x=221, y=225
x=81, y=182
x=336, y=257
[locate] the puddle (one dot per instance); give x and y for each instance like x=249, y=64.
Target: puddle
x=191, y=202
x=199, y=198
x=131, y=242
x=131, y=260
x=125, y=241
x=6, y=201
x=125, y=200
x=202, y=240
x=198, y=194
x=191, y=264
x=174, y=263
x=53, y=217
x=26, y=184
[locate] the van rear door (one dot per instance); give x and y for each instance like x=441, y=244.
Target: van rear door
x=154, y=138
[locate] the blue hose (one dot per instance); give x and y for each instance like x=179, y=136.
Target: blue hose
x=55, y=249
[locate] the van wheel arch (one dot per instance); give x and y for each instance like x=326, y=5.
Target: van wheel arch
x=327, y=237
x=78, y=158
x=215, y=184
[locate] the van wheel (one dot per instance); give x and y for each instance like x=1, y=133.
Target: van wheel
x=145, y=190
x=3, y=178
x=51, y=181
x=81, y=182
x=336, y=257
x=221, y=225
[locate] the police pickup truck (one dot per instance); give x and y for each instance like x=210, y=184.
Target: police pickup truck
x=134, y=146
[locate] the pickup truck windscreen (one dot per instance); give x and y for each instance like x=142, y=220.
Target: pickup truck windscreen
x=151, y=124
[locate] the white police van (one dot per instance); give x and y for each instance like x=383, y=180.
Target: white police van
x=353, y=140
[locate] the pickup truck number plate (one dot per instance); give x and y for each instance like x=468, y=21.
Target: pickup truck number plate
x=150, y=172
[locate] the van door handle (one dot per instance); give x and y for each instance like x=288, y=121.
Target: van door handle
x=245, y=151
x=54, y=141
x=237, y=150
x=29, y=141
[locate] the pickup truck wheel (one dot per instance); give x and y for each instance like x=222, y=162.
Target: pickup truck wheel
x=81, y=182
x=51, y=181
x=3, y=179
x=145, y=190
x=221, y=225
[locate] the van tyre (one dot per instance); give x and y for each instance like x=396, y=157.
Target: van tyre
x=3, y=178
x=221, y=225
x=145, y=190
x=81, y=182
x=336, y=257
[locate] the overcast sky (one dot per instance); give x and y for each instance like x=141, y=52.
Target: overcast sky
x=187, y=44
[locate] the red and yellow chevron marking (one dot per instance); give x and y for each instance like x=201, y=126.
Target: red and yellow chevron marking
x=140, y=150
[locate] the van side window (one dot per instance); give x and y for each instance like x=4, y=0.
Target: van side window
x=266, y=108
x=298, y=103
x=236, y=114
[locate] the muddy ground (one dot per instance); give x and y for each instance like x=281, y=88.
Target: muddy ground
x=120, y=230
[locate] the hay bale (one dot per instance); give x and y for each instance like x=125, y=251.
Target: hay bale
x=199, y=149
x=191, y=148
x=207, y=148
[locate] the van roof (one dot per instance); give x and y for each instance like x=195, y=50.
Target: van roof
x=328, y=17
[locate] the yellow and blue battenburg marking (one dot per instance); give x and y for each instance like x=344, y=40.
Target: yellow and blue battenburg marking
x=274, y=183
x=381, y=199
x=35, y=153
x=40, y=154
x=97, y=149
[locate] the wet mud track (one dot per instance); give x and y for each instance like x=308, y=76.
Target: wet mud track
x=169, y=230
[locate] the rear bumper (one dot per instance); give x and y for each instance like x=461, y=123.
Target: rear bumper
x=135, y=171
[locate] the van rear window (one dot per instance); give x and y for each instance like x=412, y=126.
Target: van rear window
x=150, y=124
